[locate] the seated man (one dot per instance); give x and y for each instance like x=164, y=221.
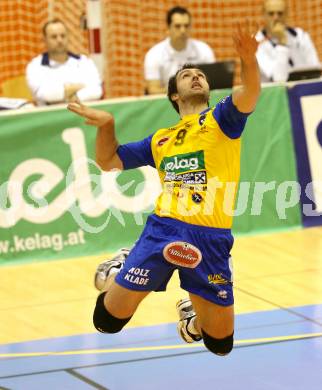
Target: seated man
x=282, y=48
x=165, y=58
x=58, y=75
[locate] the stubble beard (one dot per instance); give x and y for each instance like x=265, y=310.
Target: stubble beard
x=198, y=97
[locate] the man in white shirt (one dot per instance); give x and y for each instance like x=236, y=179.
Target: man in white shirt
x=59, y=75
x=165, y=58
x=282, y=48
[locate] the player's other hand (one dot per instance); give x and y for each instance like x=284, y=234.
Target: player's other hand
x=93, y=117
x=244, y=40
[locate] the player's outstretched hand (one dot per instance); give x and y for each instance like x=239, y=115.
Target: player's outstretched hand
x=244, y=40
x=93, y=117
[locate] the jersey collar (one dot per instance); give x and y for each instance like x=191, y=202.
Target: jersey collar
x=189, y=117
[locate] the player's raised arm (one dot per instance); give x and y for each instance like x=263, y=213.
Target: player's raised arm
x=245, y=96
x=106, y=142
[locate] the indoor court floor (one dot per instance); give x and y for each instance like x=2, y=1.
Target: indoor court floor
x=47, y=340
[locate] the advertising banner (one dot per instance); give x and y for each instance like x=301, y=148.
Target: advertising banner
x=55, y=202
x=306, y=112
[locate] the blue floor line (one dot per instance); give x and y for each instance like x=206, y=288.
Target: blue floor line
x=252, y=322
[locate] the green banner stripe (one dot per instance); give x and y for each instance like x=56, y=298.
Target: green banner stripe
x=53, y=204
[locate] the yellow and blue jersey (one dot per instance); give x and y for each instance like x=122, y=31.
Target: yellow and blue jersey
x=198, y=161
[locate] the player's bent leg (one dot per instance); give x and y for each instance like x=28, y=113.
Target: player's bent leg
x=219, y=347
x=116, y=305
x=104, y=321
x=115, y=308
x=215, y=323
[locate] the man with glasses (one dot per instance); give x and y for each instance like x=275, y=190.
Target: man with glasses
x=282, y=48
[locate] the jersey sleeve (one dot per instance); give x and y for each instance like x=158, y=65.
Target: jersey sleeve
x=136, y=154
x=231, y=121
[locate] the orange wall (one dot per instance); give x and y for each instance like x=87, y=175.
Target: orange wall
x=130, y=28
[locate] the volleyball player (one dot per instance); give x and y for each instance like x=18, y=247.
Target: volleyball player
x=189, y=230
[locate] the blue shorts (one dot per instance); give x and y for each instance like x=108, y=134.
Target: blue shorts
x=200, y=253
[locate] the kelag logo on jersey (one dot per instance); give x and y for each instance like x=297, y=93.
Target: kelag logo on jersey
x=188, y=168
x=183, y=162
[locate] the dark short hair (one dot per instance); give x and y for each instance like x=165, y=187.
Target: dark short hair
x=53, y=21
x=176, y=10
x=172, y=84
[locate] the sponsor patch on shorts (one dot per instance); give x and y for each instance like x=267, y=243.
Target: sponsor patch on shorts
x=183, y=254
x=222, y=294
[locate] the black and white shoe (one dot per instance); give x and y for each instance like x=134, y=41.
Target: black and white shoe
x=186, y=315
x=110, y=266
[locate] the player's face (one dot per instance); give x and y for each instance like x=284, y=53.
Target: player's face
x=56, y=38
x=192, y=83
x=274, y=12
x=179, y=28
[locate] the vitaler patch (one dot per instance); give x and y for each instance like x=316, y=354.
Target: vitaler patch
x=183, y=254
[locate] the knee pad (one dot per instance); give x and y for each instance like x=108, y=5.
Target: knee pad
x=219, y=347
x=103, y=321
